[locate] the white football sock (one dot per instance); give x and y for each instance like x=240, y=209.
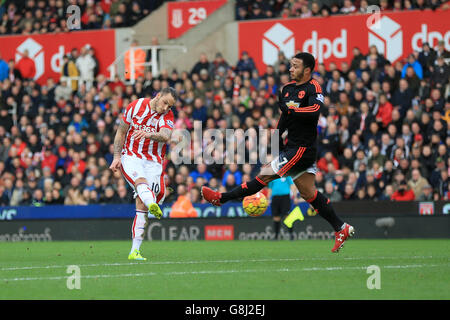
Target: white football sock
x=138, y=229
x=145, y=194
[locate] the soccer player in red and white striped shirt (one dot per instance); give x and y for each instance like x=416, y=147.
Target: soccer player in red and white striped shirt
x=139, y=149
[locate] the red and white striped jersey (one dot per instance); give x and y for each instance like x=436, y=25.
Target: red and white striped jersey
x=139, y=116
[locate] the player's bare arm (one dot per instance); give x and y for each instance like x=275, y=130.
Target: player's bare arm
x=119, y=140
x=163, y=135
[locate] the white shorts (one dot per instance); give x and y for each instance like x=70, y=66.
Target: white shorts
x=312, y=169
x=134, y=168
x=275, y=164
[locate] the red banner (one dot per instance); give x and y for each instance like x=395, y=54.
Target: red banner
x=47, y=50
x=219, y=232
x=182, y=16
x=426, y=208
x=396, y=34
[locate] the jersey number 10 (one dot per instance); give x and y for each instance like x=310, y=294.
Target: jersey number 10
x=155, y=187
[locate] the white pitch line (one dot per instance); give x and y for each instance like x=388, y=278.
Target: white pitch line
x=178, y=273
x=209, y=261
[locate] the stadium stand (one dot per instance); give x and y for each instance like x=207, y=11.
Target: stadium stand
x=383, y=134
x=39, y=16
x=259, y=9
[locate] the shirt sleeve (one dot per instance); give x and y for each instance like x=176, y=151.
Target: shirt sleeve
x=281, y=124
x=127, y=115
x=281, y=104
x=167, y=121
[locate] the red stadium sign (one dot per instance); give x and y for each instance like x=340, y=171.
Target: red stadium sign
x=219, y=232
x=47, y=50
x=396, y=34
x=182, y=16
x=426, y=208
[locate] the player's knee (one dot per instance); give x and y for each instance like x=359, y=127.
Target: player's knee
x=267, y=175
x=140, y=180
x=267, y=178
x=307, y=194
x=266, y=171
x=306, y=191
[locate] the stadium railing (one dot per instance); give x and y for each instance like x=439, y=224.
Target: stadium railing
x=154, y=63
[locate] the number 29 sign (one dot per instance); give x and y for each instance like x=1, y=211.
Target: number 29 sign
x=182, y=16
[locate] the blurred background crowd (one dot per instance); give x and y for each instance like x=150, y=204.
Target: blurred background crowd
x=383, y=133
x=262, y=9
x=44, y=16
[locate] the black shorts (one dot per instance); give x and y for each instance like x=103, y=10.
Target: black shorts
x=280, y=205
x=294, y=162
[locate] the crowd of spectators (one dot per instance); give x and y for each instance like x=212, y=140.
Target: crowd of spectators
x=383, y=132
x=42, y=16
x=262, y=9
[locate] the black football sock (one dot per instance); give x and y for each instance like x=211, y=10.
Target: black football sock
x=324, y=209
x=245, y=189
x=276, y=225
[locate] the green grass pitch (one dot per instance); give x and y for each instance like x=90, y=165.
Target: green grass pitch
x=235, y=270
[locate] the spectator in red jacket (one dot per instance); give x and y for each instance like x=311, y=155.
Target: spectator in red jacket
x=17, y=148
x=78, y=163
x=49, y=160
x=322, y=164
x=384, y=114
x=26, y=66
x=403, y=193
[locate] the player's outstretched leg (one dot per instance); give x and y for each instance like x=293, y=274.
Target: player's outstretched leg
x=246, y=189
x=323, y=207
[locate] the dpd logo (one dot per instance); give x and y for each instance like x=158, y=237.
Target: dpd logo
x=35, y=52
x=387, y=36
x=277, y=38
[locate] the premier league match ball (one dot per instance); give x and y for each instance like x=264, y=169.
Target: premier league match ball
x=255, y=205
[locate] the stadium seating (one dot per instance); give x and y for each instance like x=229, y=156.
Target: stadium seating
x=39, y=16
